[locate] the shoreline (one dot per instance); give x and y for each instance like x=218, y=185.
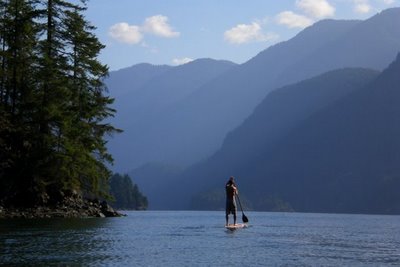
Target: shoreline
x=69, y=208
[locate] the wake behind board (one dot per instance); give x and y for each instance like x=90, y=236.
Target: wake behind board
x=233, y=227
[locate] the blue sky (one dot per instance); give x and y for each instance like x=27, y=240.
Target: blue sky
x=173, y=32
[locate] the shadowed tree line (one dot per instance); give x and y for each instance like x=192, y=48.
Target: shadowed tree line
x=126, y=194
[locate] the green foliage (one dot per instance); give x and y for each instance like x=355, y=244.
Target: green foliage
x=126, y=194
x=52, y=102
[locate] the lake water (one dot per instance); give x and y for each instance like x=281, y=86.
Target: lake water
x=188, y=238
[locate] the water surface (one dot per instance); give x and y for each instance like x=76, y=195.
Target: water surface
x=188, y=238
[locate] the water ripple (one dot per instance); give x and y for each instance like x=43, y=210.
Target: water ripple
x=200, y=239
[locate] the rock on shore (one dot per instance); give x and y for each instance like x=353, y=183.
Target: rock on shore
x=71, y=207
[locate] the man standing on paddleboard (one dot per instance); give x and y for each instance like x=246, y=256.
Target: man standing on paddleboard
x=231, y=192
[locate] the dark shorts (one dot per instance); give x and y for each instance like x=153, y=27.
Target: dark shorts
x=230, y=207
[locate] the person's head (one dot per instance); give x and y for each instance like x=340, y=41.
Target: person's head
x=231, y=180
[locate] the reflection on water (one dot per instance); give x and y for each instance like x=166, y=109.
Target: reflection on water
x=200, y=239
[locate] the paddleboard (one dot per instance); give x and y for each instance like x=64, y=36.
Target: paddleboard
x=233, y=227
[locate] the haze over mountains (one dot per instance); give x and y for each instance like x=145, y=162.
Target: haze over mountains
x=140, y=109
x=341, y=159
x=276, y=117
x=264, y=149
x=249, y=147
x=193, y=125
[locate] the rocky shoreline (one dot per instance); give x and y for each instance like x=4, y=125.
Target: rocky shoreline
x=72, y=207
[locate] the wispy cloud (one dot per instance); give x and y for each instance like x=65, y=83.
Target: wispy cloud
x=245, y=33
x=362, y=6
x=181, y=61
x=293, y=20
x=316, y=8
x=309, y=12
x=134, y=34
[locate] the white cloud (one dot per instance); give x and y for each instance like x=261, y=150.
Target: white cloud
x=362, y=6
x=316, y=8
x=292, y=20
x=134, y=34
x=159, y=26
x=125, y=33
x=181, y=61
x=245, y=33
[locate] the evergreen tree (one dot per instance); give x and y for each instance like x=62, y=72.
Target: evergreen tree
x=52, y=102
x=126, y=194
x=18, y=54
x=89, y=106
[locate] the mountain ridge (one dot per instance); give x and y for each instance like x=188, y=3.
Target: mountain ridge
x=282, y=110
x=343, y=158
x=196, y=126
x=138, y=106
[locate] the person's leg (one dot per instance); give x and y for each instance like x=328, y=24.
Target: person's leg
x=227, y=212
x=234, y=211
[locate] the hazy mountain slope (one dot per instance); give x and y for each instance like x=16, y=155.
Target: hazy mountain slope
x=169, y=87
x=373, y=43
x=128, y=80
x=279, y=113
x=155, y=180
x=194, y=128
x=140, y=106
x=282, y=57
x=343, y=159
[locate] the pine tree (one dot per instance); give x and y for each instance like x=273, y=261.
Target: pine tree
x=74, y=105
x=126, y=194
x=18, y=54
x=89, y=107
x=52, y=102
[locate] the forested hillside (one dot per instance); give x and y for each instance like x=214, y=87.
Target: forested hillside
x=280, y=112
x=341, y=158
x=126, y=194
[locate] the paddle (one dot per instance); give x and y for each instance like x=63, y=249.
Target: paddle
x=244, y=217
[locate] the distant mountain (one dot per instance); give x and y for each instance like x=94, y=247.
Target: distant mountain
x=282, y=58
x=356, y=48
x=125, y=81
x=168, y=88
x=157, y=88
x=155, y=180
x=280, y=112
x=344, y=158
x=194, y=127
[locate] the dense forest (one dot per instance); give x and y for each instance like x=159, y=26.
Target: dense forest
x=52, y=103
x=126, y=195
